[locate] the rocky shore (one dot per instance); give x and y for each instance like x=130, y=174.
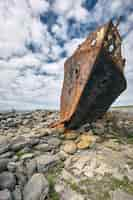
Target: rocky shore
x=94, y=162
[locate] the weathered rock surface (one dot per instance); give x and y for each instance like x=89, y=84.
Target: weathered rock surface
x=92, y=163
x=3, y=164
x=44, y=162
x=5, y=195
x=36, y=188
x=70, y=147
x=120, y=195
x=85, y=141
x=7, y=180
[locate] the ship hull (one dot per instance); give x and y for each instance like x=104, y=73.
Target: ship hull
x=106, y=83
x=93, y=77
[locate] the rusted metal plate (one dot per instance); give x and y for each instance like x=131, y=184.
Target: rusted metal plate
x=93, y=77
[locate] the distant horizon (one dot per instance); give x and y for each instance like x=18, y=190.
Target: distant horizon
x=43, y=109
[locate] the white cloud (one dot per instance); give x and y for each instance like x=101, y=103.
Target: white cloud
x=62, y=7
x=60, y=28
x=70, y=8
x=38, y=6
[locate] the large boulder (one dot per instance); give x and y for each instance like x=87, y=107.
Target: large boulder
x=36, y=188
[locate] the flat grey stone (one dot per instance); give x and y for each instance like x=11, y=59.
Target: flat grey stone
x=17, y=195
x=43, y=147
x=7, y=180
x=44, y=162
x=66, y=193
x=22, y=179
x=33, y=141
x=8, y=154
x=5, y=195
x=4, y=148
x=11, y=166
x=26, y=149
x=27, y=156
x=36, y=188
x=130, y=174
x=31, y=167
x=3, y=164
x=19, y=143
x=121, y=195
x=54, y=142
x=4, y=140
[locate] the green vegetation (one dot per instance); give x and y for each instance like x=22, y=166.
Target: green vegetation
x=53, y=195
x=130, y=139
x=100, y=189
x=124, y=184
x=130, y=163
x=121, y=107
x=52, y=175
x=76, y=187
x=19, y=153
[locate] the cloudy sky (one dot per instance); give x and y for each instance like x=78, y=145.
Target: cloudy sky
x=36, y=37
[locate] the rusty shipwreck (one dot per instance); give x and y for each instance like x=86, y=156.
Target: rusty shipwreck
x=93, y=77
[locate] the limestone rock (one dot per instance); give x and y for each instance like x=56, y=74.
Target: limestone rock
x=7, y=180
x=86, y=141
x=17, y=195
x=70, y=147
x=66, y=193
x=5, y=195
x=36, y=188
x=120, y=195
x=4, y=144
x=71, y=135
x=54, y=142
x=4, y=140
x=11, y=166
x=27, y=156
x=7, y=154
x=44, y=162
x=18, y=143
x=42, y=147
x=31, y=167
x=3, y=164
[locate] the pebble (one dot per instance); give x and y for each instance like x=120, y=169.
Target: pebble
x=70, y=147
x=86, y=141
x=54, y=142
x=4, y=148
x=17, y=195
x=11, y=166
x=4, y=140
x=18, y=143
x=42, y=147
x=71, y=135
x=8, y=154
x=27, y=156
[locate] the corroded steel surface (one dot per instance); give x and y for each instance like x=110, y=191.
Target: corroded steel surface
x=93, y=77
x=77, y=71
